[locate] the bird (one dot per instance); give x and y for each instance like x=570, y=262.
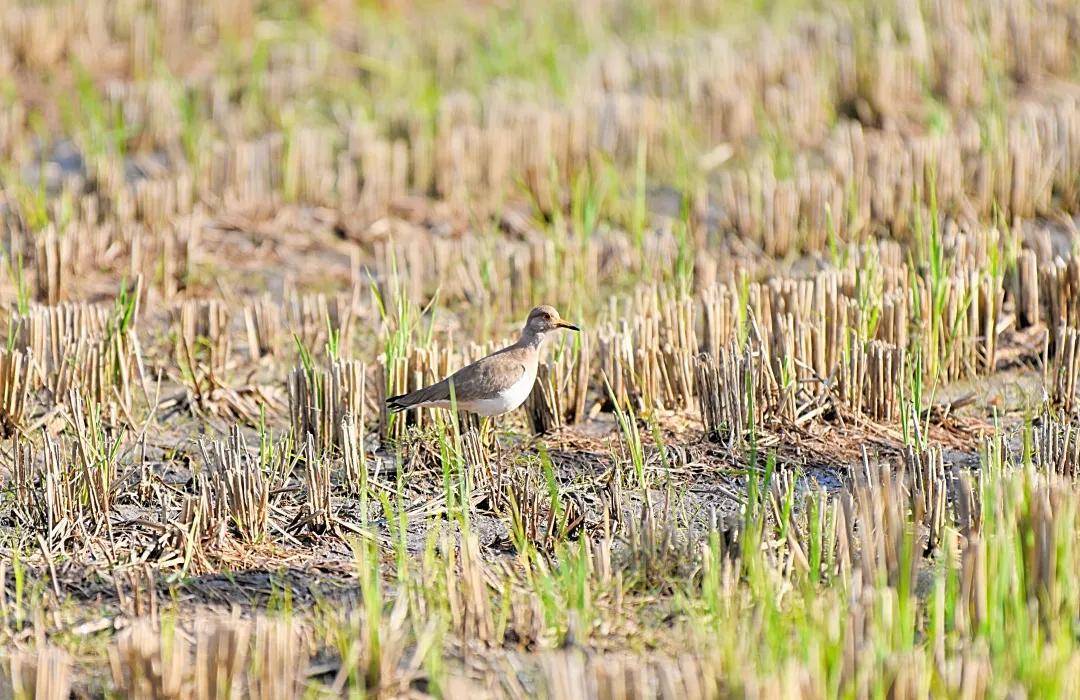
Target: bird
x=495, y=384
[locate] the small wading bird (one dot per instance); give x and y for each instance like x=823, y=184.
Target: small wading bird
x=496, y=384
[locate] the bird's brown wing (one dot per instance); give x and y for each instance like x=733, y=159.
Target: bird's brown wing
x=486, y=376
x=478, y=380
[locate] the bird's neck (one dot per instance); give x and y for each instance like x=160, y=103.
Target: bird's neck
x=530, y=340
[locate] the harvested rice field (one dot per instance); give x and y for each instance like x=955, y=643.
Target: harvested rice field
x=818, y=435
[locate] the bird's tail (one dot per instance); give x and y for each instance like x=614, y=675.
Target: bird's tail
x=396, y=404
x=420, y=397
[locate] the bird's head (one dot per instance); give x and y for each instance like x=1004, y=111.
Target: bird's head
x=544, y=319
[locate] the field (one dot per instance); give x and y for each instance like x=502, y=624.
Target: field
x=819, y=436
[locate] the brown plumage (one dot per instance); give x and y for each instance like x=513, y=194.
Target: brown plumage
x=494, y=384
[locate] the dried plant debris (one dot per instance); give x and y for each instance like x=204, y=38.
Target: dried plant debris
x=819, y=435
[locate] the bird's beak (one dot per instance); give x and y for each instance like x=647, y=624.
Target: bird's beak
x=569, y=326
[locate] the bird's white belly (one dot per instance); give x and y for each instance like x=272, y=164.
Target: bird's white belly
x=506, y=400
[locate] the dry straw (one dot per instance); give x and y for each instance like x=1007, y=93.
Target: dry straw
x=789, y=293
x=225, y=657
x=237, y=480
x=44, y=673
x=321, y=401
